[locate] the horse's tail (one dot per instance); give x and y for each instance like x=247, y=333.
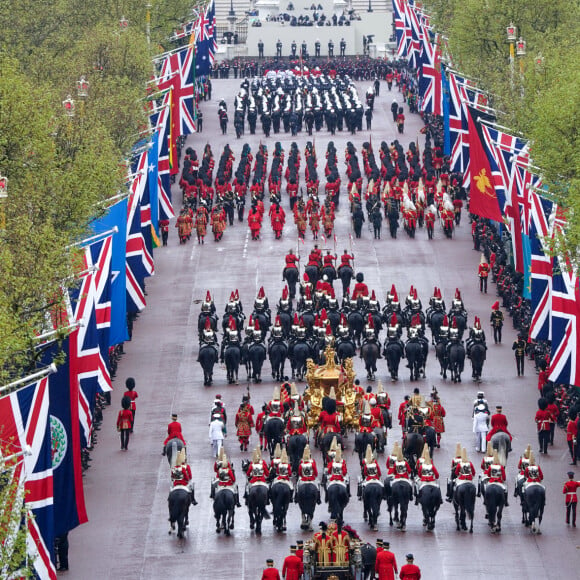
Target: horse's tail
x=173, y=453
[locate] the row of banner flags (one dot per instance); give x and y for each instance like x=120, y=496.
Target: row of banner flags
x=504, y=185
x=47, y=418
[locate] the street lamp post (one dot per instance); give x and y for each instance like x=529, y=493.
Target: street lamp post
x=370, y=9
x=83, y=87
x=511, y=31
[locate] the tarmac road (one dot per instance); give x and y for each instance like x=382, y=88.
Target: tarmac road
x=126, y=492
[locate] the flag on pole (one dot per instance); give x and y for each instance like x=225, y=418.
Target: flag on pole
x=24, y=416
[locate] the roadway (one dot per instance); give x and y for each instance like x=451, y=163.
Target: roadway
x=126, y=492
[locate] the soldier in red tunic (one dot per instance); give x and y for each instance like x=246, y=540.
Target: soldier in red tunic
x=569, y=490
x=181, y=475
x=244, y=423
x=307, y=469
x=260, y=419
x=125, y=422
x=164, y=227
x=385, y=563
x=483, y=273
x=173, y=431
x=277, y=219
x=360, y=288
x=270, y=573
x=498, y=423
x=410, y=571
x=254, y=222
x=131, y=394
x=292, y=568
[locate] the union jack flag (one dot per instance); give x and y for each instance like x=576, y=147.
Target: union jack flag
x=564, y=367
x=24, y=416
x=140, y=262
x=510, y=153
x=91, y=363
x=430, y=87
x=542, y=267
x=402, y=31
x=414, y=46
x=177, y=74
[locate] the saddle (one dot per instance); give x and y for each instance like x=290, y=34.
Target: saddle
x=258, y=483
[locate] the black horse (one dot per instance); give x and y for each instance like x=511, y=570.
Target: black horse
x=232, y=357
x=299, y=353
x=415, y=359
x=277, y=352
x=430, y=500
x=356, y=324
x=257, y=502
x=372, y=496
x=442, y=356
x=208, y=356
x=533, y=503
x=456, y=361
x=435, y=319
x=264, y=321
x=477, y=355
x=413, y=448
x=274, y=433
x=337, y=498
x=464, y=504
x=178, y=502
x=307, y=495
x=281, y=496
x=313, y=274
x=255, y=361
x=345, y=348
x=398, y=500
x=361, y=440
x=494, y=503
x=325, y=442
x=393, y=351
x=224, y=509
x=173, y=447
x=370, y=353
x=295, y=447
x=345, y=274
x=291, y=276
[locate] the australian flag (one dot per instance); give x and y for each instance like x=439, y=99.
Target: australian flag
x=205, y=41
x=161, y=121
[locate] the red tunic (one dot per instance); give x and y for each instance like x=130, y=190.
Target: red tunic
x=131, y=395
x=360, y=289
x=292, y=568
x=410, y=572
x=498, y=423
x=543, y=419
x=329, y=423
x=301, y=471
x=270, y=574
x=125, y=419
x=570, y=488
x=386, y=565
x=174, y=430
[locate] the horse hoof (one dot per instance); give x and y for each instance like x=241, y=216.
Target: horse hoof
x=251, y=526
x=217, y=530
x=169, y=532
x=471, y=530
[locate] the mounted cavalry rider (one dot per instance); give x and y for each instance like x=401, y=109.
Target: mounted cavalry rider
x=283, y=469
x=337, y=470
x=533, y=472
x=464, y=471
x=427, y=474
x=370, y=334
x=181, y=475
x=296, y=425
x=274, y=406
x=277, y=333
x=457, y=306
x=257, y=471
x=209, y=337
x=394, y=331
x=208, y=304
x=486, y=461
x=436, y=301
x=523, y=464
x=231, y=337
x=499, y=423
x=307, y=470
x=360, y=288
x=225, y=477
x=371, y=472
x=476, y=335
x=496, y=474
x=455, y=461
x=400, y=469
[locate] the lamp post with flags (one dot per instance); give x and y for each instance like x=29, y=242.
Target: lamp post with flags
x=3, y=195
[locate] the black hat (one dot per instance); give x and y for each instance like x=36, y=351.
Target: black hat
x=293, y=548
x=299, y=543
x=174, y=416
x=409, y=557
x=360, y=277
x=269, y=561
x=570, y=474
x=386, y=545
x=379, y=542
x=130, y=383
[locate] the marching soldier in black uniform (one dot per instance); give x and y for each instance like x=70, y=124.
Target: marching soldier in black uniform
x=260, y=49
x=279, y=48
x=330, y=48
x=519, y=346
x=496, y=320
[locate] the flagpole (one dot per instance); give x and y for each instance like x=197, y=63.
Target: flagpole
x=61, y=330
x=95, y=237
x=496, y=126
x=26, y=381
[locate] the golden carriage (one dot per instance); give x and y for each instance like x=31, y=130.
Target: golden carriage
x=332, y=379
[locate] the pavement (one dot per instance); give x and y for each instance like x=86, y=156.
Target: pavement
x=126, y=492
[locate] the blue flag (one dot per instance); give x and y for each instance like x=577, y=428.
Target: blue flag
x=116, y=217
x=446, y=127
x=152, y=176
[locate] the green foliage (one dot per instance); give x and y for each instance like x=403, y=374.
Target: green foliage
x=13, y=518
x=61, y=168
x=538, y=96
